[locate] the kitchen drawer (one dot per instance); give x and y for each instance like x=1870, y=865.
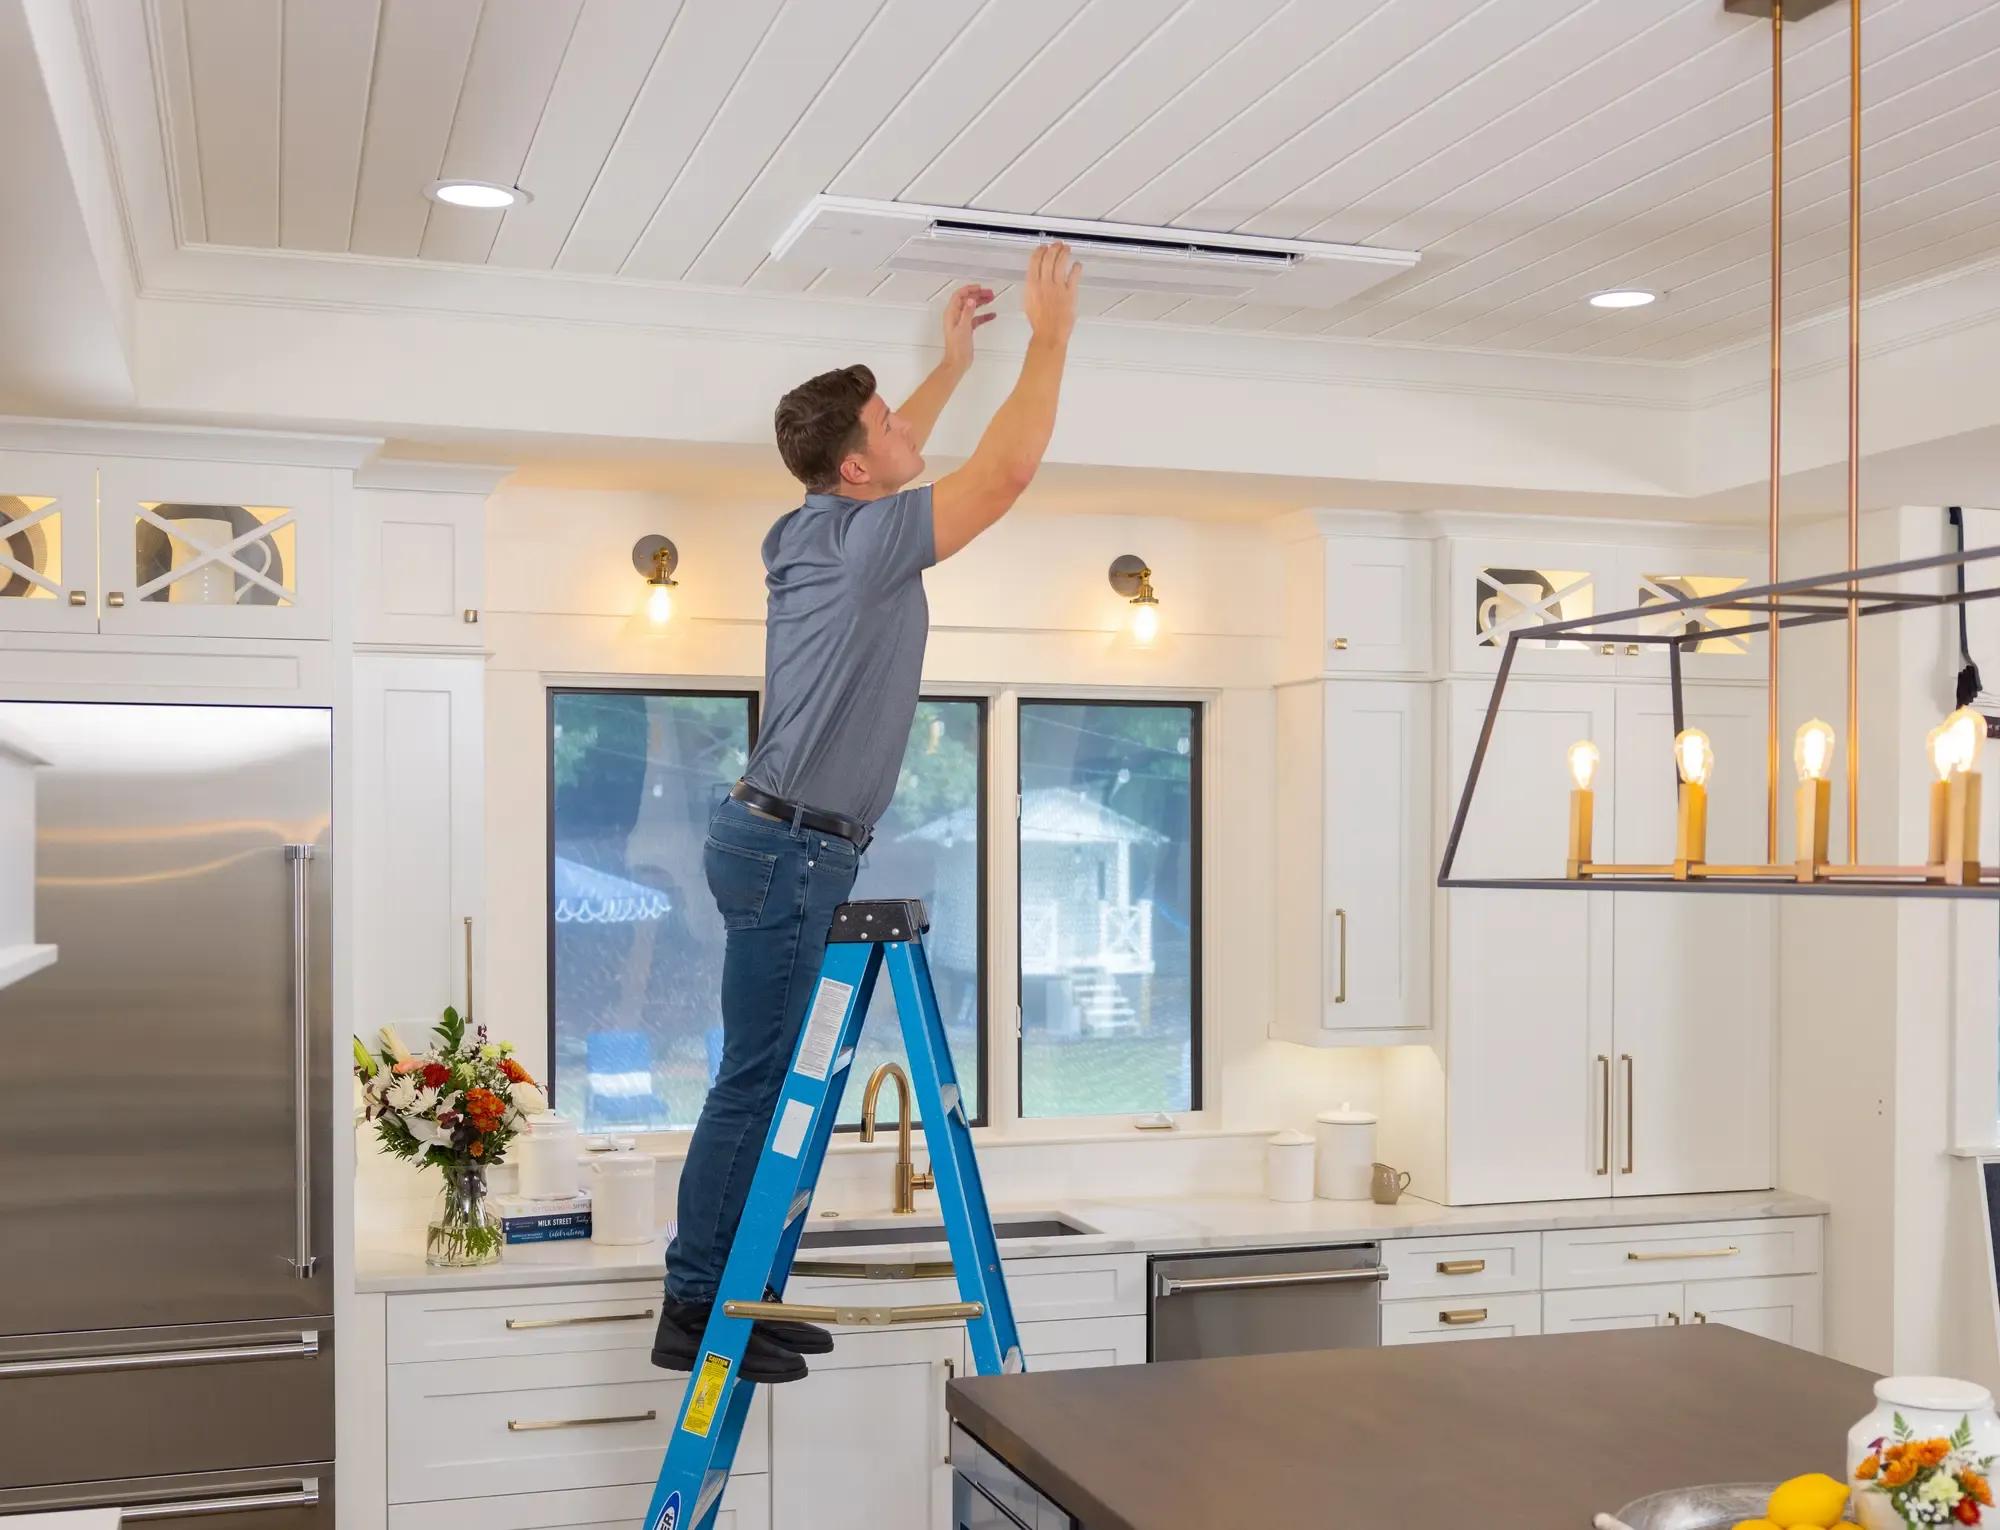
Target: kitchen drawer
x=1781, y=1307
x=541, y=1320
x=1076, y=1344
x=1429, y=1320
x=1600, y=1307
x=1068, y=1286
x=1462, y=1266
x=1616, y=1256
x=587, y=1420
x=746, y=1505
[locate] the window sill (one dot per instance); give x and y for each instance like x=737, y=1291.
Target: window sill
x=673, y=1146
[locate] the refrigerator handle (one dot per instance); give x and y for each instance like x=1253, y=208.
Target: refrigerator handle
x=299, y=858
x=305, y=1495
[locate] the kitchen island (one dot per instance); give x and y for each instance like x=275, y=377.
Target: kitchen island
x=1506, y=1434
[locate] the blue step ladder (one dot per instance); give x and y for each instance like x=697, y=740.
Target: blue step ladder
x=865, y=937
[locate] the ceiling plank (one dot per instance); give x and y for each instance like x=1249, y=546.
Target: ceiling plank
x=704, y=54
x=1153, y=73
x=329, y=56
x=904, y=40
x=917, y=288
x=234, y=48
x=1091, y=47
x=420, y=61
x=176, y=90
x=516, y=54
x=992, y=50
x=611, y=52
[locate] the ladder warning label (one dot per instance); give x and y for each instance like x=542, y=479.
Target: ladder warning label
x=829, y=1008
x=792, y=1126
x=707, y=1395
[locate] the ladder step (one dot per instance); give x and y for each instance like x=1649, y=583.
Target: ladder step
x=854, y=1317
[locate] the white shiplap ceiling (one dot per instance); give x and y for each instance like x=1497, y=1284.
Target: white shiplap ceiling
x=1533, y=150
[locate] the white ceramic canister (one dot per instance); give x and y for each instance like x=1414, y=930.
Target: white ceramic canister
x=1346, y=1153
x=1288, y=1167
x=545, y=1156
x=622, y=1207
x=1931, y=1408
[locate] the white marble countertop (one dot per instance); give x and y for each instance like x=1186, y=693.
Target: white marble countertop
x=1115, y=1226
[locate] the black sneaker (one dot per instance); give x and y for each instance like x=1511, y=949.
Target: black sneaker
x=678, y=1343
x=799, y=1338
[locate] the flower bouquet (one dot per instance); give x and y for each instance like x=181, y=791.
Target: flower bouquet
x=457, y=1106
x=1928, y=1482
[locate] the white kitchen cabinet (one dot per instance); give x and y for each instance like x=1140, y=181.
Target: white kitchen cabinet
x=1695, y=975
x=1786, y=1308
x=1461, y=1266
x=48, y=542
x=746, y=1505
x=1587, y=1311
x=1506, y=1316
x=1360, y=605
x=863, y=1441
x=419, y=752
x=1603, y=1256
x=214, y=549
x=1495, y=586
x=420, y=570
x=1076, y=1344
x=1660, y=575
x=1529, y=992
x=1354, y=862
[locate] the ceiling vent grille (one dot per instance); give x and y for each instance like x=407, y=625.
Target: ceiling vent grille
x=848, y=234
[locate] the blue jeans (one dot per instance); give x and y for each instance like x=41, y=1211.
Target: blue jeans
x=777, y=888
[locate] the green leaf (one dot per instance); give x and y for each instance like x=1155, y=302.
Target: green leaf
x=1961, y=1437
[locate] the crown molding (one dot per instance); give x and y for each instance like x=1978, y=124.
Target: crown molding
x=124, y=438
x=480, y=478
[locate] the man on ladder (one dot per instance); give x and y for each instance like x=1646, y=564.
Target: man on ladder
x=844, y=646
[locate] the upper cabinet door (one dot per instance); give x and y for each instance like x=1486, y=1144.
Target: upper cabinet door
x=1379, y=868
x=48, y=543
x=1530, y=1008
x=215, y=549
x=1378, y=605
x=1659, y=576
x=420, y=567
x=1695, y=994
x=1499, y=586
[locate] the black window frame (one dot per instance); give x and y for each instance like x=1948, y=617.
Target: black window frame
x=753, y=700
x=1197, y=883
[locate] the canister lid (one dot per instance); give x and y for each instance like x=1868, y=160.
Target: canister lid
x=1347, y=1115
x=1289, y=1139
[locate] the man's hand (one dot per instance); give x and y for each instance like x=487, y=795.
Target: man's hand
x=961, y=317
x=1048, y=297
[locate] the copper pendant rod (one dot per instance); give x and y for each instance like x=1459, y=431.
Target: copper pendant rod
x=1771, y=714
x=1854, y=430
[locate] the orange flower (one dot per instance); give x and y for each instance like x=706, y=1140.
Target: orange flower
x=1975, y=1486
x=516, y=1074
x=477, y=1150
x=1933, y=1452
x=1867, y=1469
x=1899, y=1472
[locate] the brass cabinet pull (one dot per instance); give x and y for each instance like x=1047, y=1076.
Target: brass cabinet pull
x=1460, y=1266
x=1604, y=1142
x=528, y=1425
x=1340, y=645
x=950, y=1374
x=1636, y=1256
x=471, y=617
x=1340, y=921
x=1674, y=1318
x=1461, y=1319
x=1701, y=1317
x=1626, y=1058
x=516, y=1324
x=1631, y=650
x=1610, y=649
x=78, y=598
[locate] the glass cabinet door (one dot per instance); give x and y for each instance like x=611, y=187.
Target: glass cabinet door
x=48, y=550
x=1716, y=650
x=1502, y=586
x=214, y=549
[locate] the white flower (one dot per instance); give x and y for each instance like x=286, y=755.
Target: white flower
x=402, y=1094
x=424, y=1103
x=530, y=1099
x=1942, y=1489
x=490, y=1052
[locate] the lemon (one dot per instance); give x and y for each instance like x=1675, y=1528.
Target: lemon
x=1812, y=1500
x=1754, y=1524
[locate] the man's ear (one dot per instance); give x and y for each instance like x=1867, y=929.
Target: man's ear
x=852, y=470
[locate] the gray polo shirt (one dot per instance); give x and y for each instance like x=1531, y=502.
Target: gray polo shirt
x=844, y=635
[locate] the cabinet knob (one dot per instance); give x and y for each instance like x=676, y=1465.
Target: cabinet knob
x=1340, y=645
x=78, y=598
x=1609, y=650
x=1631, y=650
x=471, y=618
x=115, y=599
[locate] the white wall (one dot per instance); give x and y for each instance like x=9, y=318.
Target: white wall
x=1027, y=605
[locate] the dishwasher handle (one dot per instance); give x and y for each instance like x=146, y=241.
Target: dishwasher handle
x=1172, y=1286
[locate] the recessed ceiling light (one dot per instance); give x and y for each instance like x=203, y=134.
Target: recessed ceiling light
x=480, y=194
x=1623, y=297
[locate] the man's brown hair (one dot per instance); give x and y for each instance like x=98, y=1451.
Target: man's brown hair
x=819, y=423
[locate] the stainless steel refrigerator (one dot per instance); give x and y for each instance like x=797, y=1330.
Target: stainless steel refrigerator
x=166, y=1328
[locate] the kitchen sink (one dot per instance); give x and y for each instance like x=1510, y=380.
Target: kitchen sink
x=1004, y=1228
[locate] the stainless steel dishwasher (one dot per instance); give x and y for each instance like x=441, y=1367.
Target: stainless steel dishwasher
x=1266, y=1303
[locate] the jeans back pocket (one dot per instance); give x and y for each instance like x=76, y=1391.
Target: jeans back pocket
x=740, y=879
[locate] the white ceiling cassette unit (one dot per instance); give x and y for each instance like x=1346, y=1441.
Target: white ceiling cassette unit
x=850, y=234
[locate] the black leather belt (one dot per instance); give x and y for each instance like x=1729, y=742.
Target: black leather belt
x=772, y=806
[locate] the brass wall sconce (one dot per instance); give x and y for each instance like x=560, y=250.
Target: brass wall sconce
x=1131, y=578
x=656, y=558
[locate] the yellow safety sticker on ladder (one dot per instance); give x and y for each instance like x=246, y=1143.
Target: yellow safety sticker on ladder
x=707, y=1395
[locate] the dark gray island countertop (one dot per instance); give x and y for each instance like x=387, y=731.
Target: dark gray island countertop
x=1505, y=1434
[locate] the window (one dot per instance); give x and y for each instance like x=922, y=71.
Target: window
x=635, y=944
x=931, y=844
x=1110, y=843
